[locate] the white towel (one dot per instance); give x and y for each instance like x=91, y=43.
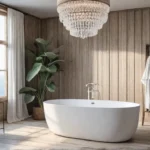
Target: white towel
x=146, y=81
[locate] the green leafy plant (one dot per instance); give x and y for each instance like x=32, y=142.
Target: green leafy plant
x=46, y=64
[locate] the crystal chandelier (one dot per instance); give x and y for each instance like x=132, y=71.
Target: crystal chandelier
x=83, y=18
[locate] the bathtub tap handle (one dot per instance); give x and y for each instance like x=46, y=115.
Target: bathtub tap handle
x=91, y=84
x=91, y=90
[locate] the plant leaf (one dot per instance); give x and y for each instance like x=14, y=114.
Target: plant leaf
x=39, y=59
x=27, y=90
x=28, y=98
x=42, y=44
x=54, y=62
x=43, y=69
x=50, y=55
x=42, y=84
x=42, y=41
x=34, y=71
x=52, y=69
x=51, y=87
x=30, y=52
x=50, y=75
x=57, y=50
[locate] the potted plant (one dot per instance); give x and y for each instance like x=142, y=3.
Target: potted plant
x=46, y=64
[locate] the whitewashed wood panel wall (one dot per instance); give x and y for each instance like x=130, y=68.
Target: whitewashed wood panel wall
x=115, y=58
x=32, y=31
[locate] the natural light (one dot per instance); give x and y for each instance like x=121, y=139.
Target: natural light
x=2, y=56
x=2, y=27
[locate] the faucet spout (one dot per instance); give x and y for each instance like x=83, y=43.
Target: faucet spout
x=91, y=90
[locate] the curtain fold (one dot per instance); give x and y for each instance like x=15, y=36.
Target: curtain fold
x=17, y=109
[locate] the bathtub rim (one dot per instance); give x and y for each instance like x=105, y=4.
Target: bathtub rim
x=136, y=105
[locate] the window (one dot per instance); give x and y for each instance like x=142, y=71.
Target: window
x=3, y=53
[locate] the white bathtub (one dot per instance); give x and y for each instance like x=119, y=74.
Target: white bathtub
x=106, y=121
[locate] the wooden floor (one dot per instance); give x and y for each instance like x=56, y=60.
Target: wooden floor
x=34, y=135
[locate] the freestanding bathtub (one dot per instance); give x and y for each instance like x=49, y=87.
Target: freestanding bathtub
x=106, y=121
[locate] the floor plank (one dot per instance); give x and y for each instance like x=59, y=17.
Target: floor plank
x=34, y=135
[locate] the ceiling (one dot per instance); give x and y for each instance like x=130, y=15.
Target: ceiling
x=47, y=8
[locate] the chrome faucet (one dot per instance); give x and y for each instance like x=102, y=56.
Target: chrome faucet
x=92, y=90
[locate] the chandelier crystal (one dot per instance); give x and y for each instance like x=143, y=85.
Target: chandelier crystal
x=83, y=18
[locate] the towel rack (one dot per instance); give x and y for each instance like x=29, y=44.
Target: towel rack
x=144, y=110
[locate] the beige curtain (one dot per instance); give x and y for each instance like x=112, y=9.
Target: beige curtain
x=17, y=109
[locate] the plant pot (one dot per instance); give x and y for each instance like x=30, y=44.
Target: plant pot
x=38, y=113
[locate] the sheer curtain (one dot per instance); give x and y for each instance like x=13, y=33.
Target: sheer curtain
x=17, y=109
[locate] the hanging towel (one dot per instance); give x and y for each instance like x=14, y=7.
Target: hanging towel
x=146, y=81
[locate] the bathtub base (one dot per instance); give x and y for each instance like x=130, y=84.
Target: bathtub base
x=95, y=140
x=109, y=139
x=105, y=121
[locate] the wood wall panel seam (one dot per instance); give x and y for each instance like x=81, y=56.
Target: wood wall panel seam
x=127, y=57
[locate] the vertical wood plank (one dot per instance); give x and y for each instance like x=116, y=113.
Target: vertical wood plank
x=138, y=57
x=100, y=63
x=86, y=62
x=32, y=31
x=130, y=56
x=145, y=34
x=145, y=41
x=49, y=25
x=93, y=59
x=44, y=29
x=66, y=63
x=114, y=39
x=55, y=95
x=122, y=56
x=61, y=54
x=74, y=46
x=78, y=71
x=69, y=68
x=72, y=67
x=53, y=36
x=105, y=94
x=94, y=51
